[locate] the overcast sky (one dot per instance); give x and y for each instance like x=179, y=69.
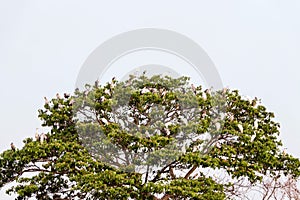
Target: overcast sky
x=254, y=44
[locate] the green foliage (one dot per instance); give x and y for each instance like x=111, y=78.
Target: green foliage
x=72, y=162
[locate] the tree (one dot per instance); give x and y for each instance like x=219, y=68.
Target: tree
x=149, y=138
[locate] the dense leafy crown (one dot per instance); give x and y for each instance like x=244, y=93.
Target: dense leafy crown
x=186, y=140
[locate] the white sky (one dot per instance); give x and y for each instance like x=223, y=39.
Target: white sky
x=254, y=44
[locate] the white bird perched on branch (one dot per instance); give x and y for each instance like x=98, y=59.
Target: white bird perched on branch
x=284, y=152
x=145, y=90
x=128, y=83
x=171, y=113
x=97, y=83
x=193, y=88
x=103, y=120
x=167, y=124
x=204, y=96
x=107, y=91
x=218, y=144
x=102, y=98
x=72, y=101
x=153, y=90
x=218, y=126
x=230, y=117
x=12, y=146
x=253, y=137
x=225, y=90
x=147, y=134
x=46, y=100
x=164, y=93
x=113, y=82
x=85, y=93
x=240, y=128
x=37, y=136
x=166, y=131
x=256, y=124
x=207, y=91
x=204, y=113
x=58, y=96
x=43, y=138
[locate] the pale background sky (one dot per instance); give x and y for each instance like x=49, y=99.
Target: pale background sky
x=254, y=44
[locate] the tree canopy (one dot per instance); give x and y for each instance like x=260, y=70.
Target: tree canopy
x=149, y=138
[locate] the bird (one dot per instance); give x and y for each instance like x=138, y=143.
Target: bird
x=145, y=90
x=253, y=137
x=240, y=128
x=153, y=90
x=161, y=90
x=46, y=100
x=218, y=144
x=204, y=113
x=107, y=91
x=166, y=131
x=218, y=126
x=204, y=96
x=37, y=136
x=13, y=147
x=284, y=152
x=66, y=95
x=43, y=137
x=230, y=117
x=183, y=90
x=167, y=124
x=171, y=171
x=254, y=102
x=193, y=88
x=256, y=124
x=97, y=83
x=85, y=93
x=104, y=121
x=56, y=123
x=57, y=96
x=128, y=83
x=224, y=90
x=102, y=98
x=72, y=101
x=173, y=101
x=164, y=93
x=147, y=134
x=171, y=113
x=207, y=91
x=113, y=81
